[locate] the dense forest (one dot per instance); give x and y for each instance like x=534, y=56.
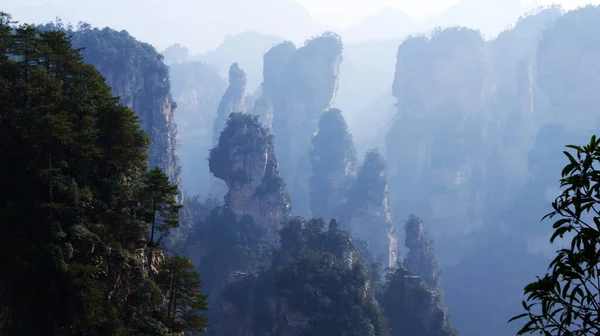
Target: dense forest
x=82, y=217
x=169, y=195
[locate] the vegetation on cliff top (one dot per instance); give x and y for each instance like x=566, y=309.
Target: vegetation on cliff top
x=320, y=277
x=371, y=183
x=73, y=221
x=333, y=160
x=136, y=73
x=242, y=135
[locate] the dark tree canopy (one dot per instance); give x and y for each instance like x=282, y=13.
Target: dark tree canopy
x=136, y=73
x=185, y=303
x=72, y=221
x=161, y=210
x=222, y=244
x=320, y=276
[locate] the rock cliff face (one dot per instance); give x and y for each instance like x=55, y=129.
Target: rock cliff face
x=517, y=104
x=420, y=259
x=562, y=79
x=143, y=262
x=467, y=116
x=367, y=211
x=245, y=160
x=333, y=162
x=568, y=70
x=435, y=146
x=426, y=305
x=513, y=56
x=197, y=89
x=233, y=101
x=299, y=85
x=136, y=73
x=568, y=80
x=412, y=297
x=275, y=62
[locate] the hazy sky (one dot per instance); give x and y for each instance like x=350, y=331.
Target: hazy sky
x=345, y=13
x=202, y=24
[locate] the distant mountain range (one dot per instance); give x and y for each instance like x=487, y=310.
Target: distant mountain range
x=201, y=25
x=197, y=24
x=491, y=17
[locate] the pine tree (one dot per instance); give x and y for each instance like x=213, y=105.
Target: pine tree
x=160, y=207
x=185, y=303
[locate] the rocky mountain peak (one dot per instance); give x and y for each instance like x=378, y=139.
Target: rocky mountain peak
x=299, y=85
x=368, y=213
x=244, y=158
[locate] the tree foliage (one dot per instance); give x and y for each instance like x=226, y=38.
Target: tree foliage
x=70, y=207
x=233, y=244
x=565, y=300
x=412, y=307
x=244, y=134
x=160, y=208
x=371, y=183
x=324, y=278
x=331, y=294
x=226, y=244
x=136, y=73
x=185, y=302
x=320, y=277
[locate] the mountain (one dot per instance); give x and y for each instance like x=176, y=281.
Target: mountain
x=245, y=49
x=299, y=85
x=199, y=25
x=197, y=89
x=365, y=75
x=135, y=72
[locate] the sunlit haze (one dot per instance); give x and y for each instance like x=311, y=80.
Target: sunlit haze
x=186, y=21
x=345, y=13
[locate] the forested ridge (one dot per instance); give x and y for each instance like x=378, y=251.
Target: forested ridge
x=81, y=214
